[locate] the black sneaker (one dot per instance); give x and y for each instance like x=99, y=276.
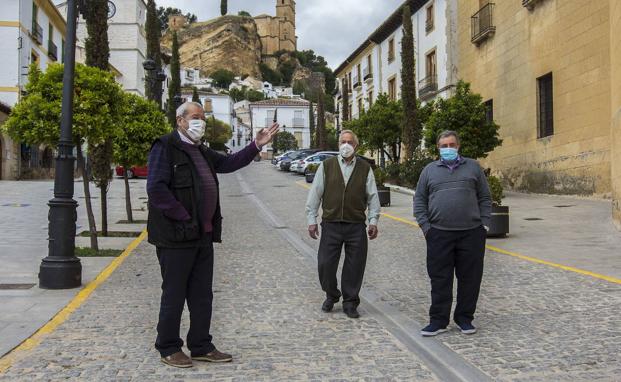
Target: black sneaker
x=327, y=305
x=432, y=329
x=466, y=328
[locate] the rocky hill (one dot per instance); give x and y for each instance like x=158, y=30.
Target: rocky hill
x=228, y=42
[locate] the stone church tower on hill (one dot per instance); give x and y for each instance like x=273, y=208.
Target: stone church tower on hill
x=278, y=32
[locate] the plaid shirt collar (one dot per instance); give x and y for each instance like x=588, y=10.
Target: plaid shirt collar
x=452, y=165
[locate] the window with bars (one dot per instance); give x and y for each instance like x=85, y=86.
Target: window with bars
x=489, y=110
x=545, y=106
x=391, y=50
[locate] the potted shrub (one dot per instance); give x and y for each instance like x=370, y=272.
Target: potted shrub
x=310, y=171
x=499, y=225
x=382, y=191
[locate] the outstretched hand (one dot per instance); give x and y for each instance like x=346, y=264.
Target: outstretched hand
x=265, y=136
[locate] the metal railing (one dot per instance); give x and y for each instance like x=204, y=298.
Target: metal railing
x=356, y=81
x=37, y=32
x=428, y=25
x=428, y=86
x=366, y=73
x=52, y=50
x=482, y=23
x=529, y=4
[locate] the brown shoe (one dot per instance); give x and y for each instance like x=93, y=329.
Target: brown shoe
x=214, y=356
x=179, y=359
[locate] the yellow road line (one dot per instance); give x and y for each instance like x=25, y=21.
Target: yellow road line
x=60, y=317
x=509, y=253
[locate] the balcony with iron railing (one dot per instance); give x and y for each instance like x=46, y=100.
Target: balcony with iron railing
x=429, y=25
x=428, y=86
x=482, y=24
x=357, y=82
x=529, y=4
x=367, y=74
x=36, y=32
x=52, y=50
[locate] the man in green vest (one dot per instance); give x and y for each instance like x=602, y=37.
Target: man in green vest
x=345, y=187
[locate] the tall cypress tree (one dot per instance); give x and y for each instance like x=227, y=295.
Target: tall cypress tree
x=100, y=153
x=175, y=81
x=345, y=91
x=311, y=119
x=153, y=29
x=195, y=97
x=322, y=138
x=411, y=128
x=223, y=7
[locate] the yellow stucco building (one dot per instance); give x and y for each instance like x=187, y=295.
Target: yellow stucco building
x=544, y=66
x=615, y=126
x=278, y=32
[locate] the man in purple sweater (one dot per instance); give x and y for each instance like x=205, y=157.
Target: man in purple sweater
x=184, y=222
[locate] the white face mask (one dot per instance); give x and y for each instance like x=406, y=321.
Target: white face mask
x=346, y=150
x=196, y=129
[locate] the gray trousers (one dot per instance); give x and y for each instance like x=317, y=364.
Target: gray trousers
x=333, y=236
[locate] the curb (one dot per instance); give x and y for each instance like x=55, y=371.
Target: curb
x=35, y=339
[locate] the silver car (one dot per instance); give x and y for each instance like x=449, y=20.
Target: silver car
x=299, y=166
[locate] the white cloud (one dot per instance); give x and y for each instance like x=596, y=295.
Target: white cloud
x=332, y=28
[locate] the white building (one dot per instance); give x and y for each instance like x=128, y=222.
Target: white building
x=375, y=66
x=127, y=40
x=220, y=107
x=292, y=115
x=31, y=31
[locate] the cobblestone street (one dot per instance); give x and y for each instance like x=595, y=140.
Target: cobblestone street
x=536, y=323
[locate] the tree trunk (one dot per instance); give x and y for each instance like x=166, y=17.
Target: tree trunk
x=128, y=199
x=87, y=199
x=104, y=211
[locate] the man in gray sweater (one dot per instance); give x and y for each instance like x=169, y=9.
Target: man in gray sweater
x=453, y=208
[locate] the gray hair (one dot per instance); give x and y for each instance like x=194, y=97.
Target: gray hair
x=352, y=134
x=183, y=109
x=446, y=134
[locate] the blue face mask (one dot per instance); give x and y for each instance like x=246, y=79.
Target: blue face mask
x=448, y=153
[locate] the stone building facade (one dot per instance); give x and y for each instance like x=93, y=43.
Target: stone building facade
x=615, y=98
x=544, y=66
x=278, y=32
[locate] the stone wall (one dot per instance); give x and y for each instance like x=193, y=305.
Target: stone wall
x=615, y=65
x=229, y=42
x=571, y=40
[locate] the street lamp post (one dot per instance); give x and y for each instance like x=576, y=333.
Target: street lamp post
x=61, y=269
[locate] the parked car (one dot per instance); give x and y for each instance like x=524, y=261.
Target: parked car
x=278, y=158
x=299, y=166
x=132, y=172
x=285, y=163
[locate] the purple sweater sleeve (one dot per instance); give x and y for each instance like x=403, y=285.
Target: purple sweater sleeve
x=229, y=163
x=158, y=181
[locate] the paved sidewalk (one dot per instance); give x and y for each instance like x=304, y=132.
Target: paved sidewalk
x=576, y=232
x=536, y=322
x=266, y=313
x=23, y=243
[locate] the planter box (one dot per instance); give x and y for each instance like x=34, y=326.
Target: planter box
x=384, y=196
x=310, y=177
x=499, y=227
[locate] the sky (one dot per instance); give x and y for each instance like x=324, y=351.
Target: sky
x=332, y=28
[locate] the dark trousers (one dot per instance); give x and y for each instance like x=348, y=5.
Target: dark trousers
x=187, y=275
x=460, y=253
x=333, y=237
